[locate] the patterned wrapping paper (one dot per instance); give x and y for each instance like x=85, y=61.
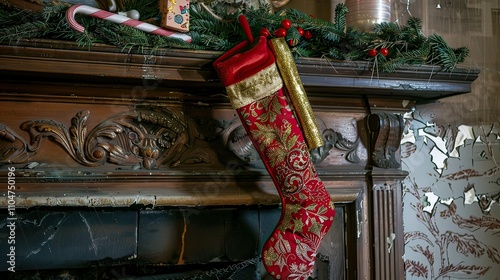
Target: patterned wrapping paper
x=175, y=14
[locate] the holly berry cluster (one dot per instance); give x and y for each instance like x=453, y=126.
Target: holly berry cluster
x=289, y=32
x=374, y=52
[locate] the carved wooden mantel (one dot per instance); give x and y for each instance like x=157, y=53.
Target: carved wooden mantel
x=99, y=127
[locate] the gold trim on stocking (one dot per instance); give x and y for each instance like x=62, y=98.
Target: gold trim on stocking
x=255, y=87
x=297, y=93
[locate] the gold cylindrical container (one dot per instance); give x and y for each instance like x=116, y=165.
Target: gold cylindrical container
x=364, y=14
x=297, y=93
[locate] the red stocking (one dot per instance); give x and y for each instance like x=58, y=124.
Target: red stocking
x=255, y=89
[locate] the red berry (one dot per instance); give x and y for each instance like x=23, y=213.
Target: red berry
x=286, y=23
x=301, y=31
x=293, y=42
x=308, y=35
x=280, y=32
x=384, y=51
x=372, y=52
x=265, y=32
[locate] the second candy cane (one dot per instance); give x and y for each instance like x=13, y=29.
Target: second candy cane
x=105, y=15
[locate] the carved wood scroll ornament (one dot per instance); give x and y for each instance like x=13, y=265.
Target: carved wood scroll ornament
x=142, y=137
x=234, y=138
x=333, y=139
x=148, y=138
x=386, y=130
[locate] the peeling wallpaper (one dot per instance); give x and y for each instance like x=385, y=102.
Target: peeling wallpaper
x=451, y=150
x=451, y=200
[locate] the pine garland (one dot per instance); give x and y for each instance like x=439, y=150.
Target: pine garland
x=406, y=44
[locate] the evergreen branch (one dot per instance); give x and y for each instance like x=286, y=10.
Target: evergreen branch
x=357, y=39
x=462, y=53
x=207, y=27
x=162, y=42
x=215, y=42
x=409, y=58
x=293, y=35
x=415, y=23
x=294, y=15
x=355, y=54
x=336, y=54
x=442, y=53
x=301, y=51
x=124, y=36
x=341, y=11
x=9, y=18
x=407, y=44
x=55, y=10
x=85, y=40
x=388, y=30
x=35, y=29
x=5, y=15
x=330, y=33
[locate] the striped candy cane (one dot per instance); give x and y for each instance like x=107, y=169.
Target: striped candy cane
x=98, y=13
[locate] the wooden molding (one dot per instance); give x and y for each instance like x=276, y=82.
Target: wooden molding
x=188, y=70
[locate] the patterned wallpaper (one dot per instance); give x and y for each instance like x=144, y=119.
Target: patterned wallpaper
x=452, y=149
x=451, y=200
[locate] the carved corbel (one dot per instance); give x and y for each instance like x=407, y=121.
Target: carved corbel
x=385, y=131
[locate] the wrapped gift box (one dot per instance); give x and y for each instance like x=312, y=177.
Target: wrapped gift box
x=175, y=14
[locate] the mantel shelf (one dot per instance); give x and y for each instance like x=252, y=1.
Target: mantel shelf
x=50, y=62
x=45, y=188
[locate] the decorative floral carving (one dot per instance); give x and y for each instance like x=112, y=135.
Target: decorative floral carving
x=333, y=139
x=148, y=137
x=235, y=139
x=13, y=148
